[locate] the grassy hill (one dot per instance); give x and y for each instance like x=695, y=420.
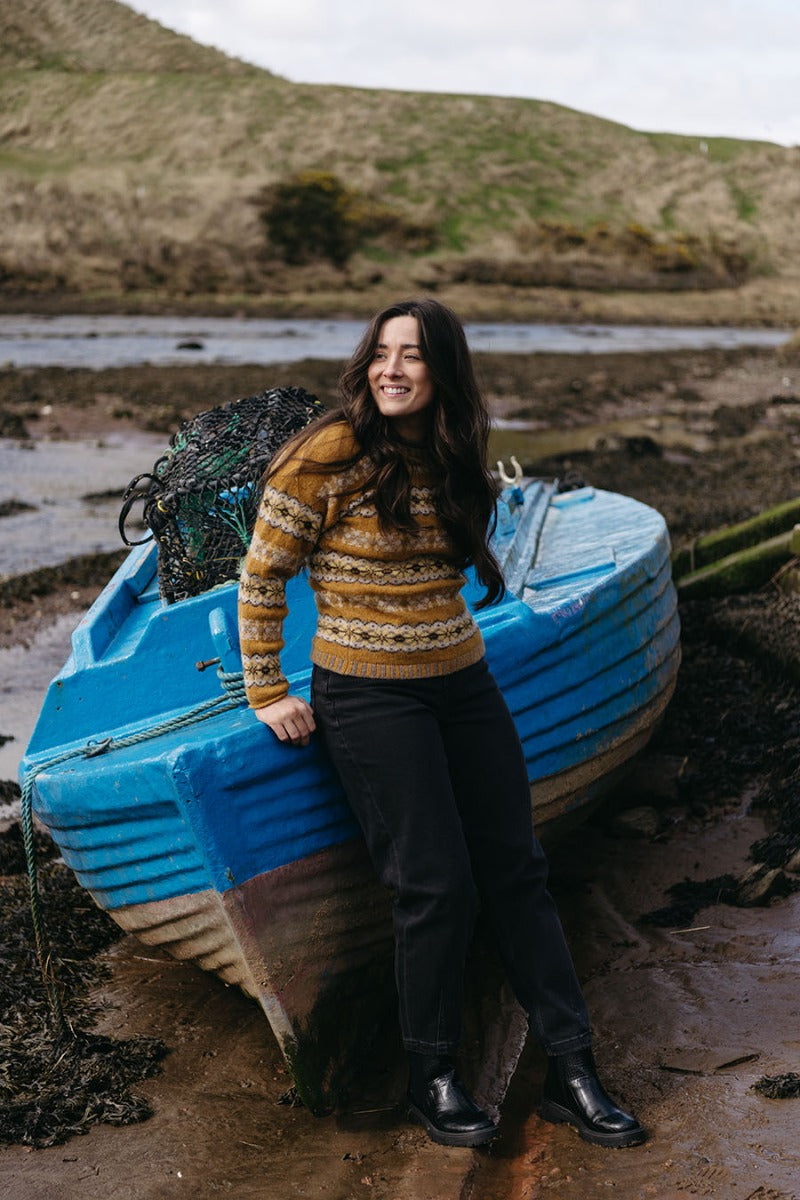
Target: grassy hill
x=133, y=164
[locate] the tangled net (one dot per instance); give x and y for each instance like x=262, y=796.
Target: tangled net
x=201, y=498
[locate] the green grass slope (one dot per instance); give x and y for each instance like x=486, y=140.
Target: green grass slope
x=133, y=160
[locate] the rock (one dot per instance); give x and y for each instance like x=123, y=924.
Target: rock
x=639, y=822
x=643, y=446
x=793, y=864
x=759, y=883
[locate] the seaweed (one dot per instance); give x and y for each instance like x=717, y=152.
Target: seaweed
x=12, y=850
x=778, y=1087
x=689, y=897
x=54, y=1086
x=734, y=721
x=53, y=1089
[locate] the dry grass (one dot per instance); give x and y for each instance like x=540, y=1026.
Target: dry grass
x=131, y=159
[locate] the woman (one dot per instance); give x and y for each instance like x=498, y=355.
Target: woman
x=386, y=501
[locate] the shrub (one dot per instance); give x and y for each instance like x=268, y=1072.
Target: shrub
x=639, y=235
x=312, y=215
x=308, y=216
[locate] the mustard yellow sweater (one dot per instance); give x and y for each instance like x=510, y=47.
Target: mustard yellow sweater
x=389, y=603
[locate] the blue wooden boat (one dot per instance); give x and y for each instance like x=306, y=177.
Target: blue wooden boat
x=200, y=833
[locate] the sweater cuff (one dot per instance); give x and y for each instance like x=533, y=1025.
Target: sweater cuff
x=260, y=697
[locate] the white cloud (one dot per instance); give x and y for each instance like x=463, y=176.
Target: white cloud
x=691, y=66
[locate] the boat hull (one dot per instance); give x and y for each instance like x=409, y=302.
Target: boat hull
x=232, y=851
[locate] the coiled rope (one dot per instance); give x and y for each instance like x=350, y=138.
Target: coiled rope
x=233, y=697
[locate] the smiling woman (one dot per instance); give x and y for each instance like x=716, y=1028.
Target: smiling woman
x=387, y=501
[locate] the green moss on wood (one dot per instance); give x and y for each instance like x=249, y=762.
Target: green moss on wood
x=722, y=542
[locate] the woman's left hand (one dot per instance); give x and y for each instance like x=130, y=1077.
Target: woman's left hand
x=291, y=719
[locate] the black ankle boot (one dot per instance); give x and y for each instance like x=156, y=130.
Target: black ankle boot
x=573, y=1093
x=437, y=1099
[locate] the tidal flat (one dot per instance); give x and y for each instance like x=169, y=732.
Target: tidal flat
x=692, y=990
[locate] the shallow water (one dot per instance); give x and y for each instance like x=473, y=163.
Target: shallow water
x=73, y=490
x=124, y=341
x=25, y=672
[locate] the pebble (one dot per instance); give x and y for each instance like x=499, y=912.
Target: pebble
x=758, y=883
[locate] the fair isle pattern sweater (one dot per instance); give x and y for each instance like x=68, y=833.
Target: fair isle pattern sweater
x=389, y=603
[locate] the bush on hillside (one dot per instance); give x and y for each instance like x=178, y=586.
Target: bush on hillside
x=311, y=216
x=632, y=256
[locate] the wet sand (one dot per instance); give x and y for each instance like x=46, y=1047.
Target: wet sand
x=670, y=1011
x=687, y=1015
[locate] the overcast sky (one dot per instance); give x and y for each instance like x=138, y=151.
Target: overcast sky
x=713, y=67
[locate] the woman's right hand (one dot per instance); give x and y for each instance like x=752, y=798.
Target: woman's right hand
x=291, y=719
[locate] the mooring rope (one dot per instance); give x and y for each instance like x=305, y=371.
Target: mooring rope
x=233, y=697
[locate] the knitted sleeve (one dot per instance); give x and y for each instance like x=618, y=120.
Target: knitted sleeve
x=290, y=517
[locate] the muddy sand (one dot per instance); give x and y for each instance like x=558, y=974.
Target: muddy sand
x=693, y=991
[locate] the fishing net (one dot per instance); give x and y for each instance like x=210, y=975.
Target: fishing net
x=200, y=500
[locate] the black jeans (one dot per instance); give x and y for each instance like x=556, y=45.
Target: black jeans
x=434, y=771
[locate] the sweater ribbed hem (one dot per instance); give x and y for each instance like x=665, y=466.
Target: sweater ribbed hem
x=332, y=659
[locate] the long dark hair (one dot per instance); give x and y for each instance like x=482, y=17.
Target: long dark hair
x=455, y=449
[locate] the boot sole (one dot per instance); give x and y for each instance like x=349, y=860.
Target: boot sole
x=445, y=1138
x=557, y=1115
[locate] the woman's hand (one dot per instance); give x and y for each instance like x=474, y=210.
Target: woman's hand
x=291, y=719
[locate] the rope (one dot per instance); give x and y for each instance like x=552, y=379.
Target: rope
x=233, y=683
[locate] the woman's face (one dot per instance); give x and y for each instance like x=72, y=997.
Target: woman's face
x=399, y=380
